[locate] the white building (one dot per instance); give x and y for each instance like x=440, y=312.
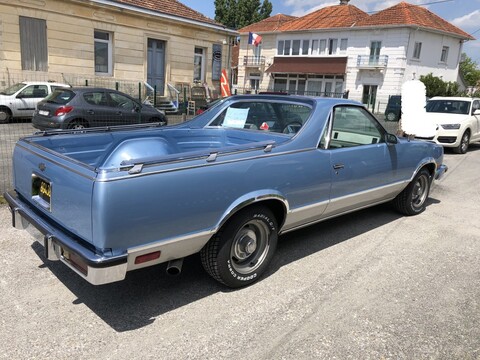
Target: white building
x=340, y=49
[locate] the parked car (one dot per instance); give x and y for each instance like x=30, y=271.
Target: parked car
x=20, y=100
x=85, y=107
x=393, y=111
x=223, y=185
x=457, y=120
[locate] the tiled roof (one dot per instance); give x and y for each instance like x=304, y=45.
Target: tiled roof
x=169, y=7
x=408, y=14
x=337, y=16
x=273, y=23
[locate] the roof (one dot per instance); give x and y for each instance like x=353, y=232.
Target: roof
x=273, y=23
x=412, y=15
x=337, y=16
x=309, y=65
x=349, y=16
x=169, y=7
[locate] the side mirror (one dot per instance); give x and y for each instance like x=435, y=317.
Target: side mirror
x=391, y=139
x=476, y=112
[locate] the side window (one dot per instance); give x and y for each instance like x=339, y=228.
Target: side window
x=352, y=126
x=34, y=91
x=476, y=105
x=96, y=98
x=121, y=101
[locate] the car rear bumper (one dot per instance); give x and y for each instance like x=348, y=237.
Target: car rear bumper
x=59, y=245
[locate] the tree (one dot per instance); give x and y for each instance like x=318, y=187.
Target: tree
x=236, y=14
x=437, y=87
x=470, y=72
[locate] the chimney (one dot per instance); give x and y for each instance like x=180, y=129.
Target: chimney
x=344, y=2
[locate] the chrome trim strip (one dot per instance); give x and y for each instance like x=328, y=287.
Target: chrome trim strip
x=58, y=163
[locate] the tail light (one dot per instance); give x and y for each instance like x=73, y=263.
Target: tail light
x=62, y=110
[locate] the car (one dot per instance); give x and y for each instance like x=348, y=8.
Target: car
x=20, y=99
x=457, y=120
x=393, y=111
x=86, y=107
x=223, y=185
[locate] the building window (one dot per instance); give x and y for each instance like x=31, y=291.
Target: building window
x=103, y=53
x=315, y=47
x=323, y=47
x=199, y=65
x=332, y=46
x=33, y=44
x=343, y=46
x=305, y=45
x=444, y=56
x=417, y=50
x=286, y=50
x=296, y=47
x=280, y=47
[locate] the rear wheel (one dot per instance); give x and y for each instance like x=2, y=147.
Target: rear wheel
x=464, y=142
x=241, y=251
x=5, y=115
x=411, y=201
x=77, y=125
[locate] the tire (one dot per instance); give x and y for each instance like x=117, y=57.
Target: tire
x=241, y=251
x=411, y=201
x=5, y=115
x=391, y=116
x=77, y=125
x=464, y=142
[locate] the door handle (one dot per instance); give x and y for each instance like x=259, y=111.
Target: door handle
x=90, y=112
x=338, y=166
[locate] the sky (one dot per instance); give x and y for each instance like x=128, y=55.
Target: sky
x=464, y=14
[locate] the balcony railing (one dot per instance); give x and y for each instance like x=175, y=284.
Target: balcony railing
x=372, y=61
x=256, y=61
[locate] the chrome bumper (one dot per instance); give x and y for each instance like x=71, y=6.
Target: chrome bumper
x=441, y=171
x=94, y=268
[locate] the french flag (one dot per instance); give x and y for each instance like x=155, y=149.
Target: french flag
x=254, y=39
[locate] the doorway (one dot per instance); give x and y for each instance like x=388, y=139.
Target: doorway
x=369, y=96
x=156, y=64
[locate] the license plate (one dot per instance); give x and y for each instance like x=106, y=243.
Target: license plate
x=43, y=112
x=41, y=191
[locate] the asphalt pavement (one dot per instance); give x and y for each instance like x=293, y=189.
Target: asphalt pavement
x=369, y=285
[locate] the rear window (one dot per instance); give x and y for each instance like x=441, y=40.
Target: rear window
x=60, y=96
x=285, y=118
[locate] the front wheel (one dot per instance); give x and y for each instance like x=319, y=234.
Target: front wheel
x=411, y=201
x=464, y=142
x=241, y=251
x=5, y=115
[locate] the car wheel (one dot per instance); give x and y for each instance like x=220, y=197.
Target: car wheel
x=241, y=251
x=161, y=121
x=464, y=142
x=391, y=116
x=411, y=201
x=5, y=115
x=77, y=125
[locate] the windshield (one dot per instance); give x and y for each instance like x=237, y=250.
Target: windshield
x=448, y=106
x=13, y=89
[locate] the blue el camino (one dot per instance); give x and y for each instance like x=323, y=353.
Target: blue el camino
x=107, y=201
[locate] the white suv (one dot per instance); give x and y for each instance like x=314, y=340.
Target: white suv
x=457, y=120
x=20, y=100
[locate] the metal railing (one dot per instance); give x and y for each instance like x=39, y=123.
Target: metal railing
x=372, y=61
x=254, y=60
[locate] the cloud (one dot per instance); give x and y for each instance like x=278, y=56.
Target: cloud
x=467, y=21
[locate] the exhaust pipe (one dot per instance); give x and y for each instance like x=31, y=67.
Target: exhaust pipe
x=174, y=267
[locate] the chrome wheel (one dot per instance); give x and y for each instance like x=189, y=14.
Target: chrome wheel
x=250, y=247
x=420, y=191
x=464, y=142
